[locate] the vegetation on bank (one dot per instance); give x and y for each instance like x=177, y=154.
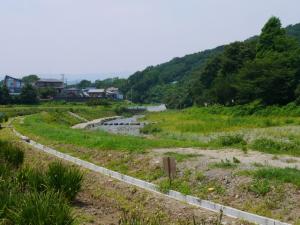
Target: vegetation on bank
x=32, y=196
x=53, y=127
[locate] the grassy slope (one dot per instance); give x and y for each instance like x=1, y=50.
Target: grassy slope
x=200, y=121
x=49, y=127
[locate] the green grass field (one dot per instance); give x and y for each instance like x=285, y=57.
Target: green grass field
x=55, y=127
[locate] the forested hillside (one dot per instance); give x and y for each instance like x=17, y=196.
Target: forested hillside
x=224, y=74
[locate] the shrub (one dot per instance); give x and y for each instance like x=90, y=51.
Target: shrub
x=260, y=187
x=274, y=147
x=3, y=117
x=230, y=140
x=150, y=129
x=64, y=179
x=42, y=209
x=11, y=153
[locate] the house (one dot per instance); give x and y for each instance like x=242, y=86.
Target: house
x=114, y=93
x=73, y=92
x=96, y=93
x=56, y=84
x=13, y=85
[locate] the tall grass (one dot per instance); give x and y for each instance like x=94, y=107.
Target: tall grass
x=206, y=120
x=64, y=179
x=42, y=209
x=10, y=153
x=32, y=196
x=275, y=147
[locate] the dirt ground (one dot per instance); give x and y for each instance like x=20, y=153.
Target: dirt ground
x=103, y=200
x=247, y=159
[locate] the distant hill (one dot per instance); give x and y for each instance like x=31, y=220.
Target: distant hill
x=156, y=82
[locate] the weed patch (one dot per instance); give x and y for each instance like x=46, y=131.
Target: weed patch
x=224, y=164
x=230, y=140
x=286, y=175
x=275, y=147
x=260, y=187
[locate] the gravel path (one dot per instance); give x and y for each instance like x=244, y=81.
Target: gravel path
x=247, y=159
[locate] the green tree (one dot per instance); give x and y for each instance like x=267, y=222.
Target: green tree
x=84, y=84
x=30, y=79
x=4, y=95
x=273, y=75
x=28, y=95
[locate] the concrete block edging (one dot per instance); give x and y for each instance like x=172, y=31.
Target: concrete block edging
x=228, y=211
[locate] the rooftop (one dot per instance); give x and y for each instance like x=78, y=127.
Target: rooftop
x=50, y=80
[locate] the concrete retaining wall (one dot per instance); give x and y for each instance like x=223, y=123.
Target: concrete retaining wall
x=228, y=211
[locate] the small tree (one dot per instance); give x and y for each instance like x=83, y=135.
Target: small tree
x=46, y=92
x=28, y=95
x=30, y=79
x=4, y=96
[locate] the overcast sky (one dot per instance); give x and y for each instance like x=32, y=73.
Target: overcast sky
x=102, y=38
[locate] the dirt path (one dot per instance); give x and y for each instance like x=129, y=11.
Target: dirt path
x=247, y=159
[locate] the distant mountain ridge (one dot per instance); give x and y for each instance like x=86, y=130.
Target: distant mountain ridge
x=155, y=82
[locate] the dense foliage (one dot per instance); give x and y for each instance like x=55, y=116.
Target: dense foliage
x=264, y=68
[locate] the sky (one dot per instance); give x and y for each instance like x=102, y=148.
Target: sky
x=96, y=39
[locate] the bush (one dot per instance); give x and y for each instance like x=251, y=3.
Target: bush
x=150, y=129
x=64, y=179
x=42, y=209
x=3, y=117
x=230, y=140
x=11, y=154
x=275, y=147
x=260, y=187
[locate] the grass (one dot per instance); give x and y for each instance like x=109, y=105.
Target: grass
x=260, y=187
x=42, y=209
x=206, y=120
x=46, y=129
x=230, y=140
x=11, y=153
x=286, y=175
x=275, y=147
x=64, y=179
x=225, y=164
x=31, y=196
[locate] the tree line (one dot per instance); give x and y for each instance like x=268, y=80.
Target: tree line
x=264, y=68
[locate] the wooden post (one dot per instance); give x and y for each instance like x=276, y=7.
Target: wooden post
x=169, y=167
